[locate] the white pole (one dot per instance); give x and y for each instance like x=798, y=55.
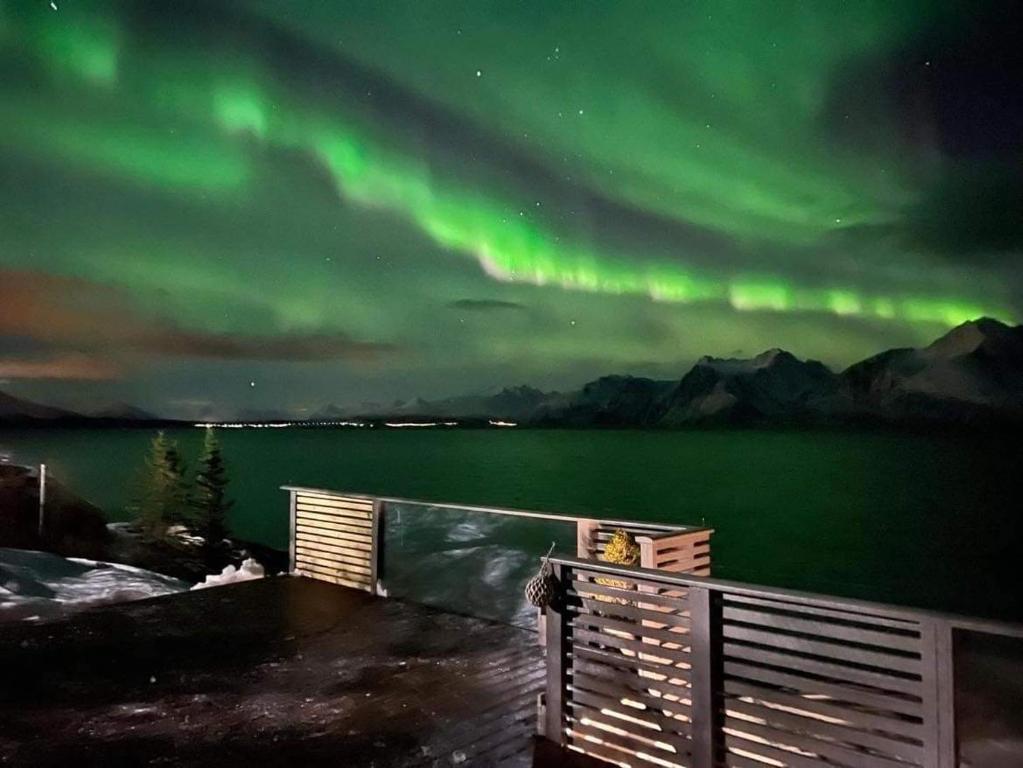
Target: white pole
x=42, y=497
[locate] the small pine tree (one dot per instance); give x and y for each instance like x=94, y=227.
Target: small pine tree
x=210, y=500
x=162, y=492
x=178, y=511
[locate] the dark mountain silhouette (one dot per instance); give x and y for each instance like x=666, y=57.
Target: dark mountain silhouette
x=14, y=409
x=611, y=401
x=974, y=373
x=124, y=412
x=773, y=386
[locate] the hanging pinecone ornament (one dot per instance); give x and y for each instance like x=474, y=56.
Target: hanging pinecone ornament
x=540, y=588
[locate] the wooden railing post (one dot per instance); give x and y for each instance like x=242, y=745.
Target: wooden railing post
x=938, y=683
x=705, y=628
x=378, y=545
x=554, y=726
x=291, y=535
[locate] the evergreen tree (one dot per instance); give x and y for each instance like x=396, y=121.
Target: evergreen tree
x=162, y=492
x=210, y=499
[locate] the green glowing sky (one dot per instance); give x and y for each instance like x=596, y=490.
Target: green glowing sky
x=207, y=206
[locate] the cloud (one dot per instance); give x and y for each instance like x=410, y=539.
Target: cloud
x=485, y=305
x=69, y=367
x=68, y=327
x=285, y=347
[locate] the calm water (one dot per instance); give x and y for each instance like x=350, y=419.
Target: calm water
x=909, y=519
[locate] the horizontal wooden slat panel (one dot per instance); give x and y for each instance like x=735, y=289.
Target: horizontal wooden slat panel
x=362, y=571
x=594, y=723
x=668, y=699
x=784, y=723
x=640, y=673
x=832, y=669
x=837, y=690
x=318, y=537
x=615, y=754
x=615, y=608
x=682, y=566
x=648, y=650
x=842, y=753
x=660, y=714
x=340, y=502
x=345, y=516
x=362, y=566
x=353, y=514
x=334, y=547
x=669, y=545
x=857, y=617
x=778, y=756
x=845, y=653
x=350, y=540
x=334, y=538
x=339, y=523
x=310, y=530
x=814, y=626
x=803, y=681
x=654, y=718
x=849, y=716
x=330, y=571
x=669, y=637
x=627, y=593
x=316, y=558
x=629, y=680
x=615, y=658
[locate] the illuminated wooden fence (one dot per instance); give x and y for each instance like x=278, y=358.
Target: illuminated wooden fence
x=647, y=668
x=335, y=537
x=338, y=536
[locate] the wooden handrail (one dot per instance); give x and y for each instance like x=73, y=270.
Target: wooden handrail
x=1007, y=629
x=494, y=510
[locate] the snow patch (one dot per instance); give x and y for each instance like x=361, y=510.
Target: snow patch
x=248, y=571
x=43, y=585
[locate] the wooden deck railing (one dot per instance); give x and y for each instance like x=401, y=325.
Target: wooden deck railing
x=338, y=536
x=647, y=668
x=335, y=538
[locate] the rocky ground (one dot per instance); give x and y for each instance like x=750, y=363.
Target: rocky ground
x=72, y=527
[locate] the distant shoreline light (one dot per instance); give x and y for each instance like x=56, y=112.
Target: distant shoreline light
x=356, y=424
x=277, y=424
x=402, y=424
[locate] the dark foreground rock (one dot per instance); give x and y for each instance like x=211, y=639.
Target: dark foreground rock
x=72, y=527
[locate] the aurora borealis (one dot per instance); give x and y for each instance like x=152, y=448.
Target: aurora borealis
x=213, y=205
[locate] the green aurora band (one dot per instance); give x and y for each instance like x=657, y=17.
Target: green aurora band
x=272, y=167
x=245, y=102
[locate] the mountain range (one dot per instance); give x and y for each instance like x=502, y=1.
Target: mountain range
x=973, y=375
x=17, y=410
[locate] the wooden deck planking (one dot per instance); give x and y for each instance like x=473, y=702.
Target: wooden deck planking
x=281, y=671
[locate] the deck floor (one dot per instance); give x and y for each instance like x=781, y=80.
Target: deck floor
x=281, y=671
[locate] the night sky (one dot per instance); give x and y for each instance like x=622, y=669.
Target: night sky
x=207, y=206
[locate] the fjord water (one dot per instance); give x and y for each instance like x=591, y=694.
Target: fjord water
x=932, y=521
